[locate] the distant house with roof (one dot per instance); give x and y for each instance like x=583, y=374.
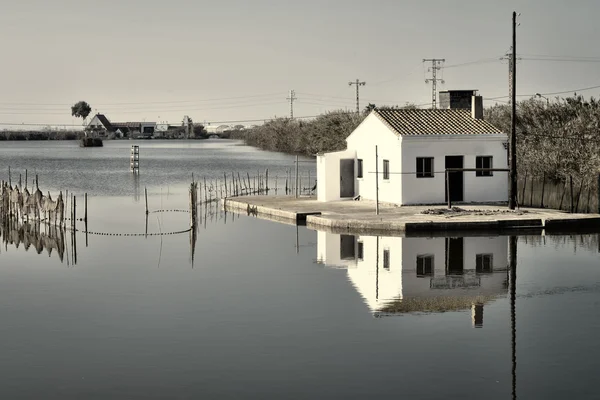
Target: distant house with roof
x=410, y=149
x=101, y=125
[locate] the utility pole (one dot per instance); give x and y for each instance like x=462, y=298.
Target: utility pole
x=512, y=200
x=358, y=83
x=436, y=65
x=291, y=99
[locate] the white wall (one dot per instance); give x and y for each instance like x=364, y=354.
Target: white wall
x=329, y=250
x=378, y=286
x=328, y=174
x=95, y=123
x=432, y=190
x=371, y=132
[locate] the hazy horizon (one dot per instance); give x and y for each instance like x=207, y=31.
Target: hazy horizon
x=233, y=61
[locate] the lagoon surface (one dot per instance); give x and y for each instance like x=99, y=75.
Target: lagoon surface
x=255, y=309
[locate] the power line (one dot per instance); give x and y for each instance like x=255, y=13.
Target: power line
x=151, y=102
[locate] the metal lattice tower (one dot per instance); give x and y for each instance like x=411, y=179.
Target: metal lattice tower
x=436, y=65
x=358, y=83
x=291, y=99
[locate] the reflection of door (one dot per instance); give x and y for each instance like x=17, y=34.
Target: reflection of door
x=347, y=178
x=347, y=246
x=454, y=256
x=456, y=178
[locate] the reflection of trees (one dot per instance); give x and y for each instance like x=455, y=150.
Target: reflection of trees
x=31, y=235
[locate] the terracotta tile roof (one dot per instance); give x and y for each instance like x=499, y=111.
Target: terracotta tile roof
x=435, y=122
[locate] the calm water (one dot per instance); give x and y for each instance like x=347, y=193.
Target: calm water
x=269, y=310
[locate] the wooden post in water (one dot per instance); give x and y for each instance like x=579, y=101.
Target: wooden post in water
x=571, y=184
x=25, y=178
x=146, y=195
x=20, y=181
x=85, y=209
x=37, y=186
x=74, y=213
x=267, y=181
x=9, y=177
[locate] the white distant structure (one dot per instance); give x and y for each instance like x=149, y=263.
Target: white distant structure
x=400, y=274
x=415, y=146
x=217, y=128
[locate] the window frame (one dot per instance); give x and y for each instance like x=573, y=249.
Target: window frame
x=386, y=259
x=480, y=163
x=423, y=258
x=386, y=169
x=359, y=168
x=421, y=170
x=480, y=267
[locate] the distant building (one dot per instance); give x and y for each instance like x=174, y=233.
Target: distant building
x=101, y=125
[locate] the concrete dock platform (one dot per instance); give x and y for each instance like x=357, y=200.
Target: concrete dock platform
x=349, y=215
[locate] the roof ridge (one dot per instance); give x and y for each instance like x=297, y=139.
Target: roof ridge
x=434, y=122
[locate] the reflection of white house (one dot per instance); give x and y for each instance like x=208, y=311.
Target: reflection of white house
x=398, y=274
x=413, y=149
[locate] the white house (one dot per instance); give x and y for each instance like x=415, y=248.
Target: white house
x=413, y=148
x=400, y=274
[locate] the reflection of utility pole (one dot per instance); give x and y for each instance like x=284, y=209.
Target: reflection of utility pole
x=512, y=255
x=291, y=99
x=436, y=65
x=358, y=83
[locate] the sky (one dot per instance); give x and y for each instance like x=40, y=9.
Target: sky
x=236, y=60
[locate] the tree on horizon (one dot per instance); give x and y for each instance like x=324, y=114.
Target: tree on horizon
x=81, y=109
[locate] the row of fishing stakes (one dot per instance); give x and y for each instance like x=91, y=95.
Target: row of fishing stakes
x=12, y=199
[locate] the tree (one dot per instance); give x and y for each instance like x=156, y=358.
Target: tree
x=81, y=109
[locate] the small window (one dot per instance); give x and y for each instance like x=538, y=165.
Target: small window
x=483, y=162
x=359, y=168
x=484, y=263
x=386, y=259
x=360, y=251
x=424, y=266
x=424, y=167
x=386, y=169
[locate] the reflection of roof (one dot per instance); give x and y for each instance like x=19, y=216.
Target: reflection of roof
x=434, y=122
x=435, y=304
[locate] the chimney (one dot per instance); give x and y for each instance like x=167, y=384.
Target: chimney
x=456, y=99
x=477, y=107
